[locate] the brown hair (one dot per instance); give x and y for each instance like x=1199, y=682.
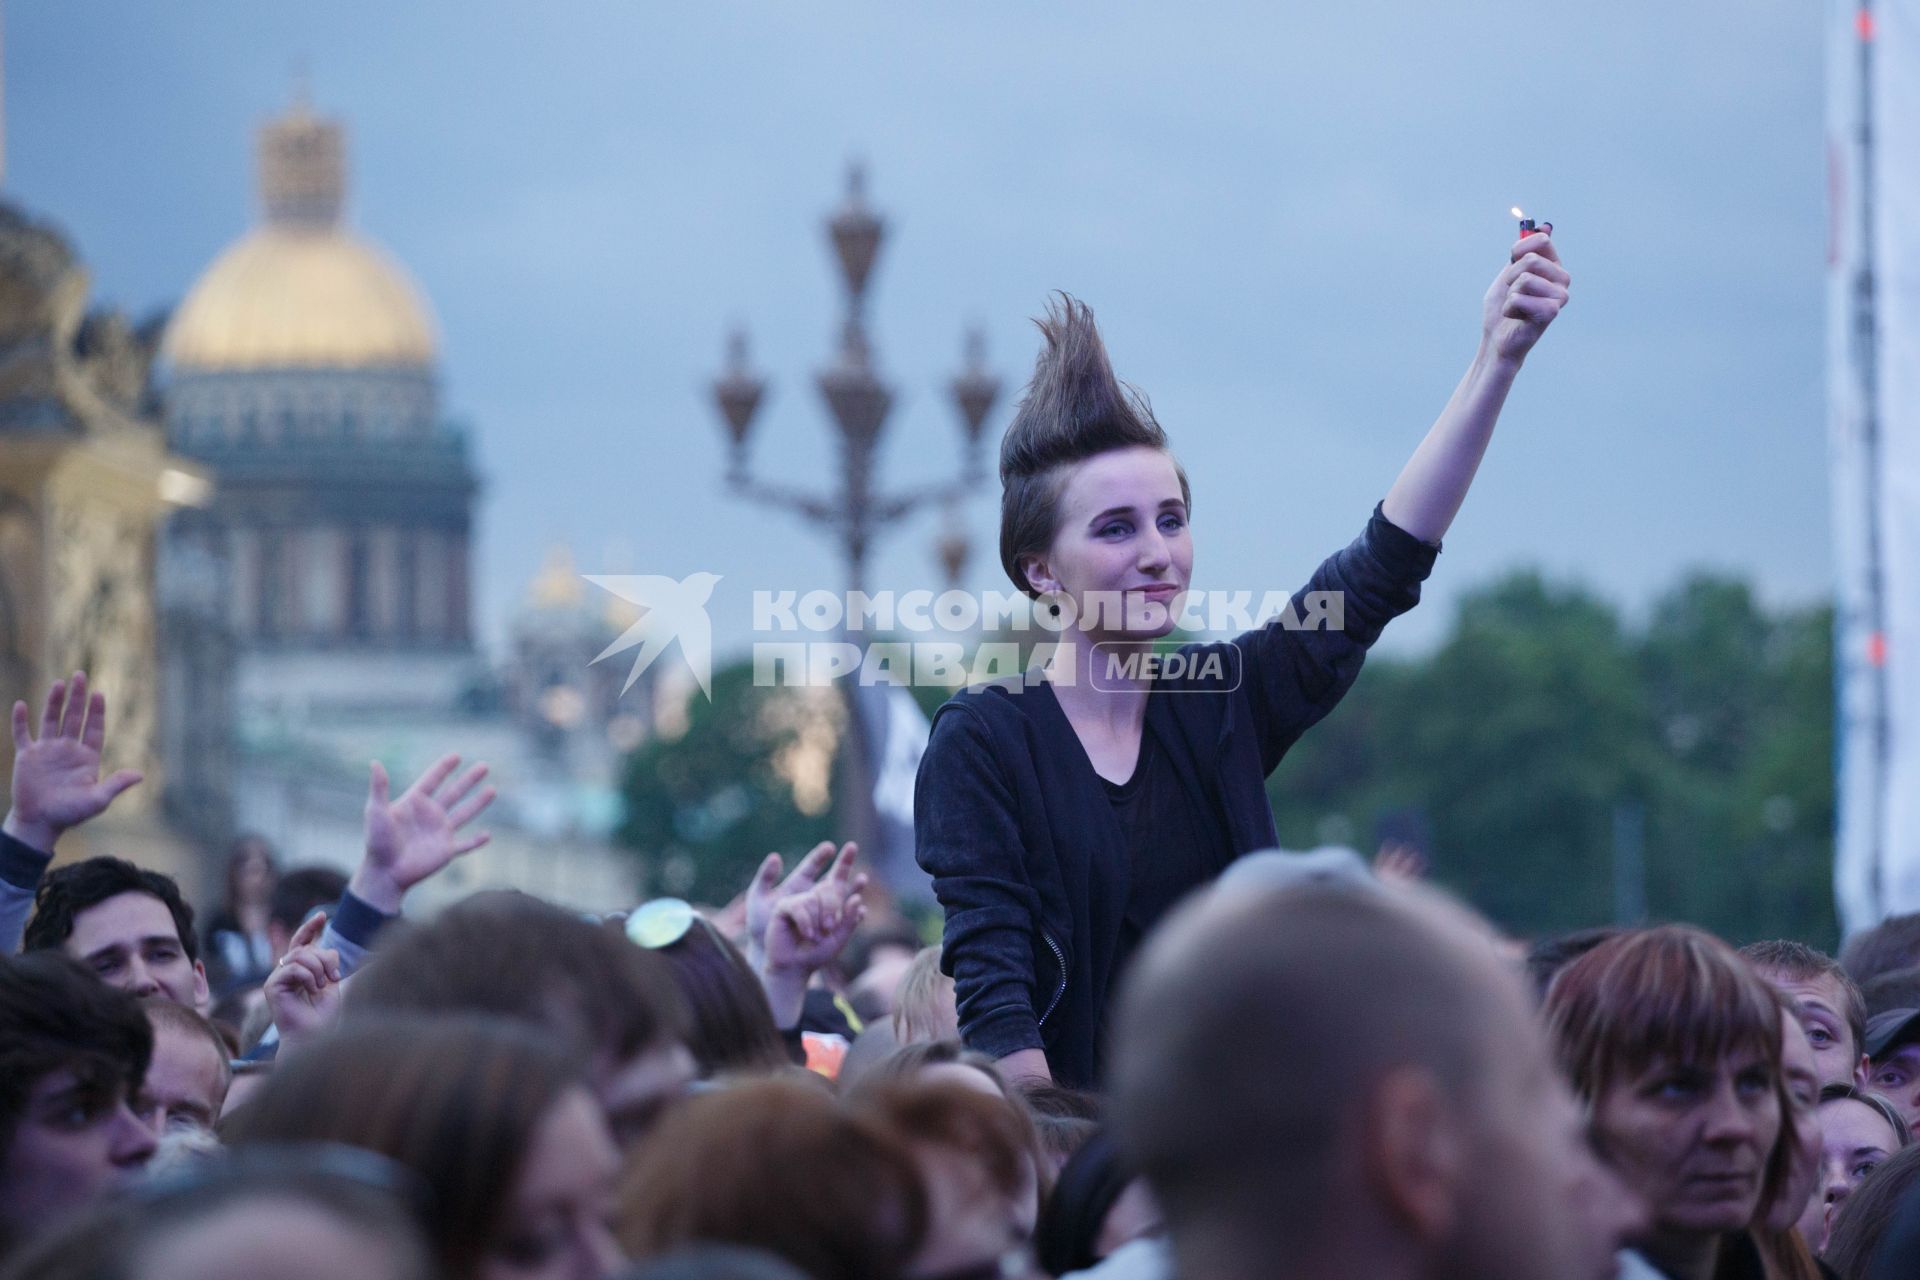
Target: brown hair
x=1798, y=962
x=782, y=1167
x=1668, y=993
x=731, y=1027
x=960, y=1119
x=1672, y=992
x=1073, y=409
x=455, y=1099
x=514, y=956
x=1865, y=1215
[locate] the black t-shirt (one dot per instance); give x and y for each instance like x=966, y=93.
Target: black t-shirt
x=1169, y=843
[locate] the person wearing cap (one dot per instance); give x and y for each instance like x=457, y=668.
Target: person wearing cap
x=1893, y=1052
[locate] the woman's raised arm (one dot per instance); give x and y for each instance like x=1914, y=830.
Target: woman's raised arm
x=1527, y=294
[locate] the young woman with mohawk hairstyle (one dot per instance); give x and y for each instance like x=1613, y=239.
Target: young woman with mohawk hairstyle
x=1061, y=815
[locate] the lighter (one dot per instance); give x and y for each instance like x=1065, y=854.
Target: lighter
x=1529, y=227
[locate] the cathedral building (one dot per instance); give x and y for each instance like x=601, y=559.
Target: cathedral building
x=332, y=561
x=302, y=371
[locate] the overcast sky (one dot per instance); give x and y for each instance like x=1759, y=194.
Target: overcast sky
x=1284, y=217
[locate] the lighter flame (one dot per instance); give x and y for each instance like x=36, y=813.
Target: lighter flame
x=1517, y=213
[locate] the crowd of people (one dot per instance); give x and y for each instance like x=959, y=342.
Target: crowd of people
x=1147, y=1045
x=1317, y=1067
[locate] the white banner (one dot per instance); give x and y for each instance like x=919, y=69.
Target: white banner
x=1873, y=360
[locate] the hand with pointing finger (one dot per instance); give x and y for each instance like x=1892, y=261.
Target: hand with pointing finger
x=417, y=835
x=303, y=991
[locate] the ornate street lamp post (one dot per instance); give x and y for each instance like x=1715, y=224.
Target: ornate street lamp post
x=857, y=513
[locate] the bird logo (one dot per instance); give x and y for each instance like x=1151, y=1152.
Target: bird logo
x=669, y=611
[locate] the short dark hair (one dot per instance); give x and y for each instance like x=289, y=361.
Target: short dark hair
x=508, y=954
x=1894, y=943
x=1798, y=962
x=301, y=892
x=1549, y=955
x=54, y=1016
x=79, y=886
x=1894, y=989
x=1073, y=409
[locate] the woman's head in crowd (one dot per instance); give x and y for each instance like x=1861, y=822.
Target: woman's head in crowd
x=73, y=1053
x=730, y=1025
x=250, y=873
x=615, y=1006
x=1863, y=1218
x=975, y=1162
x=779, y=1166
x=1859, y=1132
x=1675, y=1045
x=1092, y=500
x=491, y=1115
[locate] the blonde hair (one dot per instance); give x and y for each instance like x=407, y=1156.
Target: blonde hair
x=923, y=1003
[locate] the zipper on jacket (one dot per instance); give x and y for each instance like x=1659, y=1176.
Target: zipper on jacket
x=1060, y=960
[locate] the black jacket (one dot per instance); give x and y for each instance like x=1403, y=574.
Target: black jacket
x=1026, y=855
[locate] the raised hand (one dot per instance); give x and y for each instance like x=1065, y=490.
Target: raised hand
x=768, y=891
x=810, y=928
x=1525, y=298
x=807, y=930
x=1400, y=862
x=56, y=778
x=303, y=991
x=417, y=835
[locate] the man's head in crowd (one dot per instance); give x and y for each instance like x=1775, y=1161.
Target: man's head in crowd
x=491, y=1114
x=1892, y=944
x=1825, y=1001
x=1339, y=1080
x=72, y=1056
x=1894, y=989
x=127, y=925
x=1893, y=1050
x=296, y=895
x=613, y=1004
x=187, y=1080
x=1675, y=1045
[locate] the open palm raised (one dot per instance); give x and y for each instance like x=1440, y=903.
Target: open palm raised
x=56, y=778
x=418, y=834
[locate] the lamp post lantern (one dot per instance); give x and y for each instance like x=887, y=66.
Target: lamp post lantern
x=856, y=513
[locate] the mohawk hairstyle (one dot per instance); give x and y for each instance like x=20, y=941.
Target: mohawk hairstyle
x=1073, y=409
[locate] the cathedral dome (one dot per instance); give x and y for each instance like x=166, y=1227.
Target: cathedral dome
x=301, y=292
x=297, y=297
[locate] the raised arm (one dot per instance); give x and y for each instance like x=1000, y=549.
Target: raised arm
x=56, y=786
x=408, y=840
x=1524, y=299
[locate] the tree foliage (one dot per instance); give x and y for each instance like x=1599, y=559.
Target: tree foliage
x=704, y=808
x=1543, y=733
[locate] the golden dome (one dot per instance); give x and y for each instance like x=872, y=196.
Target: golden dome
x=301, y=291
